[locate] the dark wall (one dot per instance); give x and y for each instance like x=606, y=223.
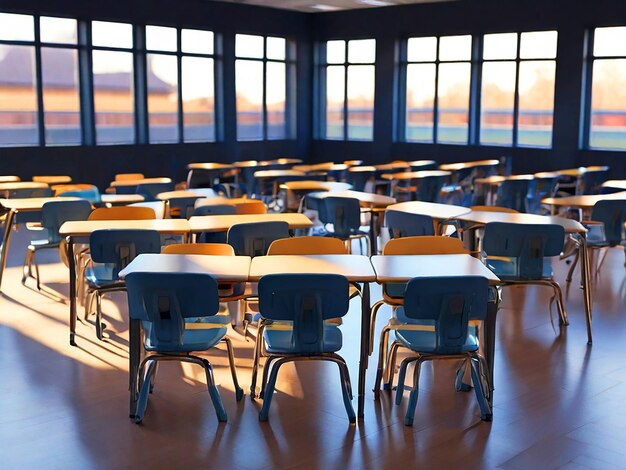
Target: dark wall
x=98, y=164
x=572, y=18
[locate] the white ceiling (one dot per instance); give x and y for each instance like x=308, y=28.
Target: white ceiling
x=312, y=6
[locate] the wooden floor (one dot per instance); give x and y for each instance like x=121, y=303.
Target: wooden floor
x=558, y=402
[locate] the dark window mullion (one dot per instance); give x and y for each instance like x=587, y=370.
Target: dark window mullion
x=179, y=60
x=39, y=86
x=436, y=97
x=586, y=111
x=516, y=95
x=475, y=91
x=346, y=66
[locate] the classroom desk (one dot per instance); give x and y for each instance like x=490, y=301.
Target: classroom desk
x=480, y=218
x=354, y=267
x=121, y=199
x=320, y=167
x=584, y=202
x=56, y=179
x=615, y=184
x=221, y=223
x=414, y=175
x=403, y=268
x=210, y=166
x=9, y=179
x=421, y=164
x=578, y=173
x=5, y=188
x=11, y=207
x=439, y=212
x=222, y=268
x=310, y=186
x=115, y=184
x=468, y=165
x=76, y=230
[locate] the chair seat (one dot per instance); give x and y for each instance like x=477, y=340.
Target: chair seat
x=280, y=341
x=193, y=340
x=426, y=341
x=98, y=274
x=38, y=244
x=506, y=268
x=218, y=319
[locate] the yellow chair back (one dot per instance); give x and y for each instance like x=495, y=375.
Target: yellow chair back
x=123, y=213
x=129, y=176
x=307, y=246
x=426, y=245
x=494, y=209
x=217, y=249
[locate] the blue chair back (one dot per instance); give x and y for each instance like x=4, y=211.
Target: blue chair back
x=185, y=205
x=254, y=239
x=120, y=246
x=358, y=179
x=217, y=209
x=166, y=300
x=612, y=213
x=344, y=213
x=306, y=300
x=513, y=194
x=150, y=190
x=591, y=181
x=538, y=189
x=402, y=224
x=528, y=243
x=428, y=189
x=27, y=193
x=450, y=303
x=91, y=195
x=56, y=213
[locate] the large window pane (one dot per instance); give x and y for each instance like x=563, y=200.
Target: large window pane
x=276, y=48
x=362, y=51
x=538, y=45
x=422, y=49
x=335, y=93
x=536, y=103
x=361, y=102
x=59, y=69
x=113, y=97
x=609, y=42
x=500, y=46
x=249, y=88
x=163, y=98
x=161, y=38
x=420, y=101
x=498, y=92
x=57, y=30
x=17, y=27
x=336, y=52
x=107, y=34
x=275, y=96
x=18, y=97
x=453, y=99
x=455, y=48
x=196, y=41
x=198, y=99
x=249, y=46
x=608, y=104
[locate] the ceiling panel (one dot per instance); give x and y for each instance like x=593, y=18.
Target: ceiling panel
x=312, y=6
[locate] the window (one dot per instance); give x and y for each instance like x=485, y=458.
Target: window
x=264, y=70
x=348, y=77
x=517, y=97
x=112, y=59
x=438, y=75
x=607, y=120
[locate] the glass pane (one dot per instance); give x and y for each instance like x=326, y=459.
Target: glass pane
x=17, y=27
x=453, y=95
x=113, y=97
x=198, y=99
x=197, y=41
x=422, y=49
x=162, y=98
x=362, y=51
x=335, y=92
x=61, y=102
x=420, y=102
x=455, y=48
x=496, y=114
x=18, y=96
x=609, y=41
x=536, y=103
x=500, y=46
x=538, y=45
x=57, y=30
x=249, y=88
x=361, y=102
x=275, y=96
x=336, y=52
x=161, y=38
x=608, y=104
x=276, y=48
x=106, y=34
x=249, y=46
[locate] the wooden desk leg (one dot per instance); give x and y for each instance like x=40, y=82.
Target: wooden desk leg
x=489, y=335
x=134, y=347
x=585, y=273
x=366, y=313
x=6, y=238
x=72, y=262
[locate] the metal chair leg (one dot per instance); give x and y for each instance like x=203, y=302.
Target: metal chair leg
x=382, y=358
x=401, y=377
x=391, y=365
x=572, y=267
x=271, y=385
x=214, y=393
x=233, y=371
x=485, y=409
x=346, y=390
x=257, y=359
x=266, y=371
x=100, y=326
x=375, y=309
x=410, y=411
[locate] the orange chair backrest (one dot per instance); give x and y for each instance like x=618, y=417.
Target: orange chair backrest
x=129, y=176
x=427, y=245
x=123, y=213
x=494, y=209
x=217, y=249
x=307, y=246
x=251, y=207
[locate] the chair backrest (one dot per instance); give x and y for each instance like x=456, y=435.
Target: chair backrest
x=184, y=206
x=251, y=207
x=166, y=299
x=402, y=224
x=216, y=209
x=612, y=213
x=129, y=176
x=449, y=302
x=254, y=239
x=123, y=213
x=90, y=192
x=307, y=246
x=528, y=243
x=424, y=245
x=358, y=179
x=306, y=300
x=217, y=249
x=344, y=213
x=120, y=246
x=427, y=189
x=150, y=190
x=493, y=209
x=512, y=194
x=591, y=181
x=56, y=213
x=158, y=207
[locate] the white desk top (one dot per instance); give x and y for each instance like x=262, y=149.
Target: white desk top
x=354, y=267
x=582, y=201
x=371, y=199
x=315, y=186
x=221, y=223
x=86, y=227
x=121, y=198
x=414, y=175
x=616, y=184
x=465, y=165
x=436, y=211
x=22, y=185
x=115, y=184
x=484, y=217
x=31, y=203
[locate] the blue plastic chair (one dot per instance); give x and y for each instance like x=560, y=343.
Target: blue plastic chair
x=111, y=250
x=447, y=304
x=217, y=209
x=53, y=215
x=254, y=239
x=402, y=224
x=358, y=179
x=513, y=194
x=519, y=254
x=427, y=189
x=92, y=195
x=22, y=193
x=183, y=207
x=344, y=213
x=150, y=190
x=306, y=300
x=169, y=305
x=591, y=181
